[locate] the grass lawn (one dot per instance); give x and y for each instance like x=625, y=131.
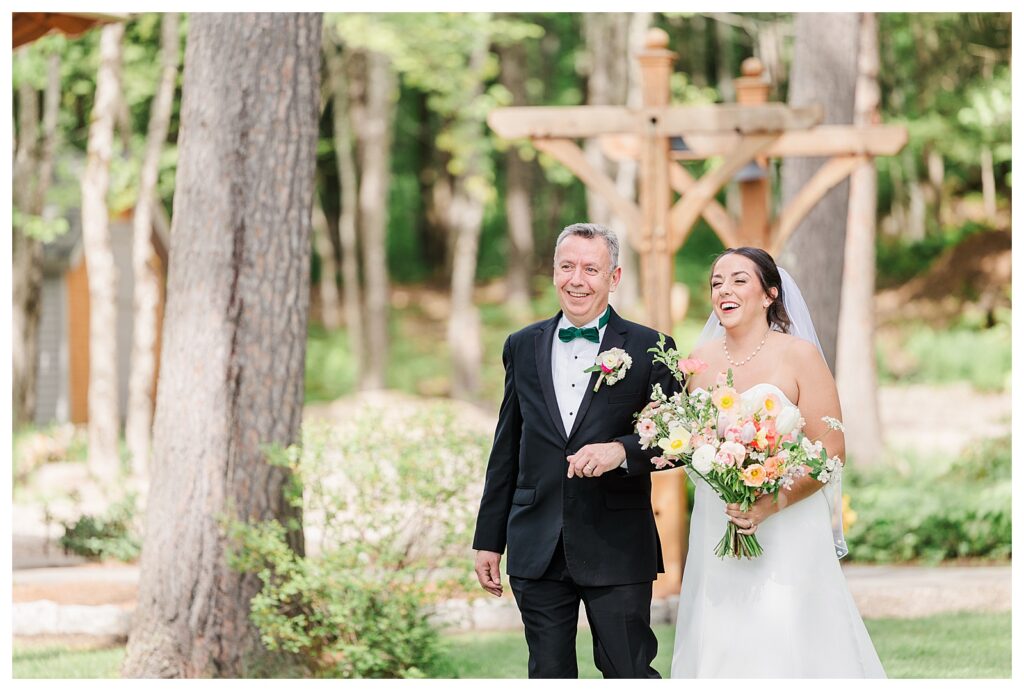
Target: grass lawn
x=960, y=646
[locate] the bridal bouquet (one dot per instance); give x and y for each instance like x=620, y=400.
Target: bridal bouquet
x=742, y=445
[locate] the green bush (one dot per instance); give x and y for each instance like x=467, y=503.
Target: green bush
x=112, y=535
x=388, y=500
x=982, y=357
x=932, y=511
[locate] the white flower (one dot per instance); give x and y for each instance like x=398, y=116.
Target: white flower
x=748, y=432
x=811, y=449
x=787, y=420
x=834, y=423
x=703, y=458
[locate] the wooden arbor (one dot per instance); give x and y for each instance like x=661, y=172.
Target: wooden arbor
x=749, y=131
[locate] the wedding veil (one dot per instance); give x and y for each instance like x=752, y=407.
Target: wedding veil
x=802, y=327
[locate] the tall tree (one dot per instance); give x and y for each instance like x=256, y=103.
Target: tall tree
x=104, y=414
x=232, y=365
x=373, y=115
x=613, y=78
x=824, y=71
x=518, y=179
x=856, y=372
x=145, y=269
x=349, y=182
x=33, y=170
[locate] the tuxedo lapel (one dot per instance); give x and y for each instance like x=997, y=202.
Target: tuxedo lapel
x=543, y=355
x=614, y=337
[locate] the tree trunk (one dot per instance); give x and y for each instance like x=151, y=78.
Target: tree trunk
x=330, y=304
x=349, y=193
x=373, y=129
x=824, y=71
x=466, y=215
x=613, y=39
x=33, y=167
x=104, y=414
x=231, y=377
x=856, y=373
x=988, y=182
x=145, y=263
x=518, y=179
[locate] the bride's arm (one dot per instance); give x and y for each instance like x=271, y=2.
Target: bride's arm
x=817, y=398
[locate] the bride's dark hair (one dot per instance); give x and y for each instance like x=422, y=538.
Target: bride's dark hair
x=768, y=274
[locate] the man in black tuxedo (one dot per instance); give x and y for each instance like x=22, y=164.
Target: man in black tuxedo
x=568, y=488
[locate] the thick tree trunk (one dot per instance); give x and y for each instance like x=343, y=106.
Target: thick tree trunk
x=466, y=215
x=518, y=178
x=824, y=71
x=373, y=129
x=856, y=372
x=349, y=192
x=145, y=263
x=231, y=376
x=104, y=415
x=33, y=169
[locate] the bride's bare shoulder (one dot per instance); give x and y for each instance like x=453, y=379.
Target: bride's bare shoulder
x=704, y=350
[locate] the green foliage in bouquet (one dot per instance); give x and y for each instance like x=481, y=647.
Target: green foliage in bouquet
x=388, y=501
x=112, y=535
x=922, y=514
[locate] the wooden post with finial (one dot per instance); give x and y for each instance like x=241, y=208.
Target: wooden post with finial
x=752, y=89
x=656, y=251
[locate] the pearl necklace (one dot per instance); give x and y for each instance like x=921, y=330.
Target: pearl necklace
x=756, y=351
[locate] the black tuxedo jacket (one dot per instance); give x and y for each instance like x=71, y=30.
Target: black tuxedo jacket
x=607, y=522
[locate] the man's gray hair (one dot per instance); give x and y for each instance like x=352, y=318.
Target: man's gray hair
x=593, y=230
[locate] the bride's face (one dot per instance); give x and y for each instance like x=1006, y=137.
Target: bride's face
x=737, y=295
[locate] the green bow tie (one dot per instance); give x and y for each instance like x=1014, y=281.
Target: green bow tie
x=590, y=332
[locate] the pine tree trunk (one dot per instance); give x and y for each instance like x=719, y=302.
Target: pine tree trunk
x=349, y=192
x=104, y=413
x=824, y=71
x=145, y=263
x=33, y=169
x=232, y=369
x=856, y=372
x=518, y=178
x=373, y=129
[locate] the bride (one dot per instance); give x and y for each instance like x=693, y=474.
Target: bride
x=787, y=613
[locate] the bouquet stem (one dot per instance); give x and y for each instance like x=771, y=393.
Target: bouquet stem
x=736, y=545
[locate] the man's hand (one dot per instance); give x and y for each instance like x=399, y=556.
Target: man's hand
x=594, y=460
x=488, y=571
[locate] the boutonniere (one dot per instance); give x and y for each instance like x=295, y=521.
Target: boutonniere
x=612, y=365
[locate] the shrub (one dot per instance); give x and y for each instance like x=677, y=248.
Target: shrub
x=113, y=534
x=931, y=512
x=388, y=500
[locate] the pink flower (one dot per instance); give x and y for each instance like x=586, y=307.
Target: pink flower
x=773, y=467
x=734, y=451
x=605, y=368
x=691, y=366
x=754, y=475
x=747, y=433
x=661, y=462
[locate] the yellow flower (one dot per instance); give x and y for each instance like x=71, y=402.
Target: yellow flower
x=677, y=442
x=725, y=398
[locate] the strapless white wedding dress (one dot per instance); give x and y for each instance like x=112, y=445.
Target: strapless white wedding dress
x=787, y=613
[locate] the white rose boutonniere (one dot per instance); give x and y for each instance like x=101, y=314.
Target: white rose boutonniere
x=612, y=366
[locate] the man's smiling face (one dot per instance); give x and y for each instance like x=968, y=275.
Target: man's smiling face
x=584, y=278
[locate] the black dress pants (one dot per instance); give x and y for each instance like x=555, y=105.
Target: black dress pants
x=619, y=616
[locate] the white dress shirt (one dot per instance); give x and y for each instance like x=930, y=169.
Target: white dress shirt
x=568, y=360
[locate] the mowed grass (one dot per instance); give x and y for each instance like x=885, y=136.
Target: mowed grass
x=953, y=646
